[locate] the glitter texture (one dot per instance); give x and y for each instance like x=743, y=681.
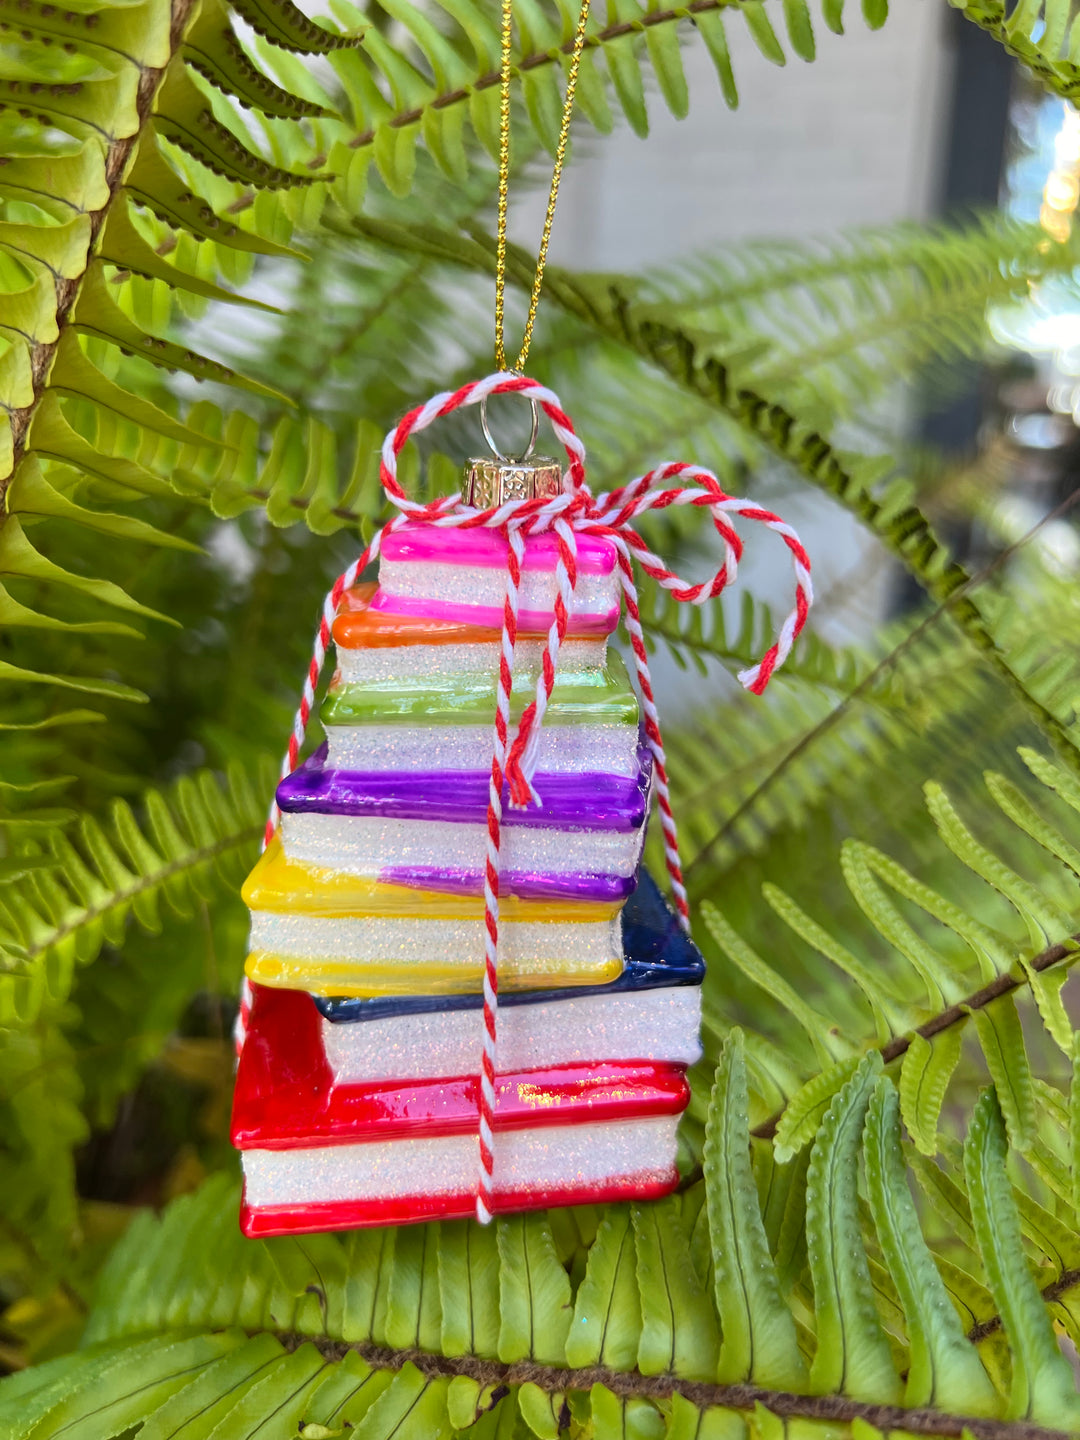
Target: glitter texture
x=653, y=1025
x=659, y=956
x=489, y=617
x=591, y=801
x=358, y=1091
x=368, y=846
x=289, y=887
x=483, y=587
x=579, y=697
x=632, y=1151
x=419, y=543
x=566, y=749
x=372, y=665
x=377, y=956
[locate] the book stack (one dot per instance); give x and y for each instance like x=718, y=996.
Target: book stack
x=357, y=1094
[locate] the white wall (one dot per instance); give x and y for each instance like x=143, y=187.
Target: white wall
x=850, y=139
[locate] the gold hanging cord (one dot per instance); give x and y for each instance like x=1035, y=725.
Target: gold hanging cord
x=504, y=182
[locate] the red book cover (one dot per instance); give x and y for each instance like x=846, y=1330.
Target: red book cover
x=286, y=1097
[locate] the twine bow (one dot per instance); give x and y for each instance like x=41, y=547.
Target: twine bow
x=576, y=511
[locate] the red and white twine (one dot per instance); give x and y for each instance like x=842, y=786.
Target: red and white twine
x=575, y=511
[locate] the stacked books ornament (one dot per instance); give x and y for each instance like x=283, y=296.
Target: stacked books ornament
x=357, y=1092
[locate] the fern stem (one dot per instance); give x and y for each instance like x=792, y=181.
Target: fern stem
x=1066, y=1281
x=540, y=58
x=835, y=1409
x=883, y=666
x=919, y=310
x=907, y=534
x=117, y=158
x=1003, y=984
x=1043, y=67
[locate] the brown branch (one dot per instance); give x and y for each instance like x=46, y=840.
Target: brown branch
x=1003, y=984
x=540, y=58
x=1066, y=1281
x=838, y=1409
x=907, y=535
x=67, y=291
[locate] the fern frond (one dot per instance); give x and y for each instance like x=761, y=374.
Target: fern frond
x=1041, y=36
x=692, y=638
x=365, y=1329
x=932, y=1003
x=835, y=321
x=99, y=183
x=426, y=89
x=851, y=479
x=52, y=920
x=744, y=772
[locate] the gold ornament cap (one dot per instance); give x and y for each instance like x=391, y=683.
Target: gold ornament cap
x=490, y=482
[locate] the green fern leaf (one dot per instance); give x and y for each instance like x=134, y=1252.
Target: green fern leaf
x=184, y=117
x=213, y=50
x=882, y=999
x=286, y=25
x=606, y=1324
x=1044, y=921
x=887, y=919
x=759, y=1342
x=823, y=1039
x=678, y=1325
x=96, y=314
x=616, y=1418
x=95, y=897
x=73, y=375
x=800, y=29
x=711, y=27
x=31, y=494
x=209, y=1399
x=340, y=1389
x=853, y=1355
x=108, y=1402
x=61, y=249
x=806, y=1109
x=925, y=1073
x=121, y=244
x=687, y=1422
x=534, y=1292
x=1022, y=813
x=1042, y=1384
x=760, y=27
x=541, y=1411
x=284, y=1391
x=468, y=1261
x=990, y=950
x=463, y=1401
x=1046, y=988
x=1002, y=1041
x=663, y=47
x=413, y=1305
x=944, y=1370
x=410, y=1408
x=369, y=1256
x=152, y=183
